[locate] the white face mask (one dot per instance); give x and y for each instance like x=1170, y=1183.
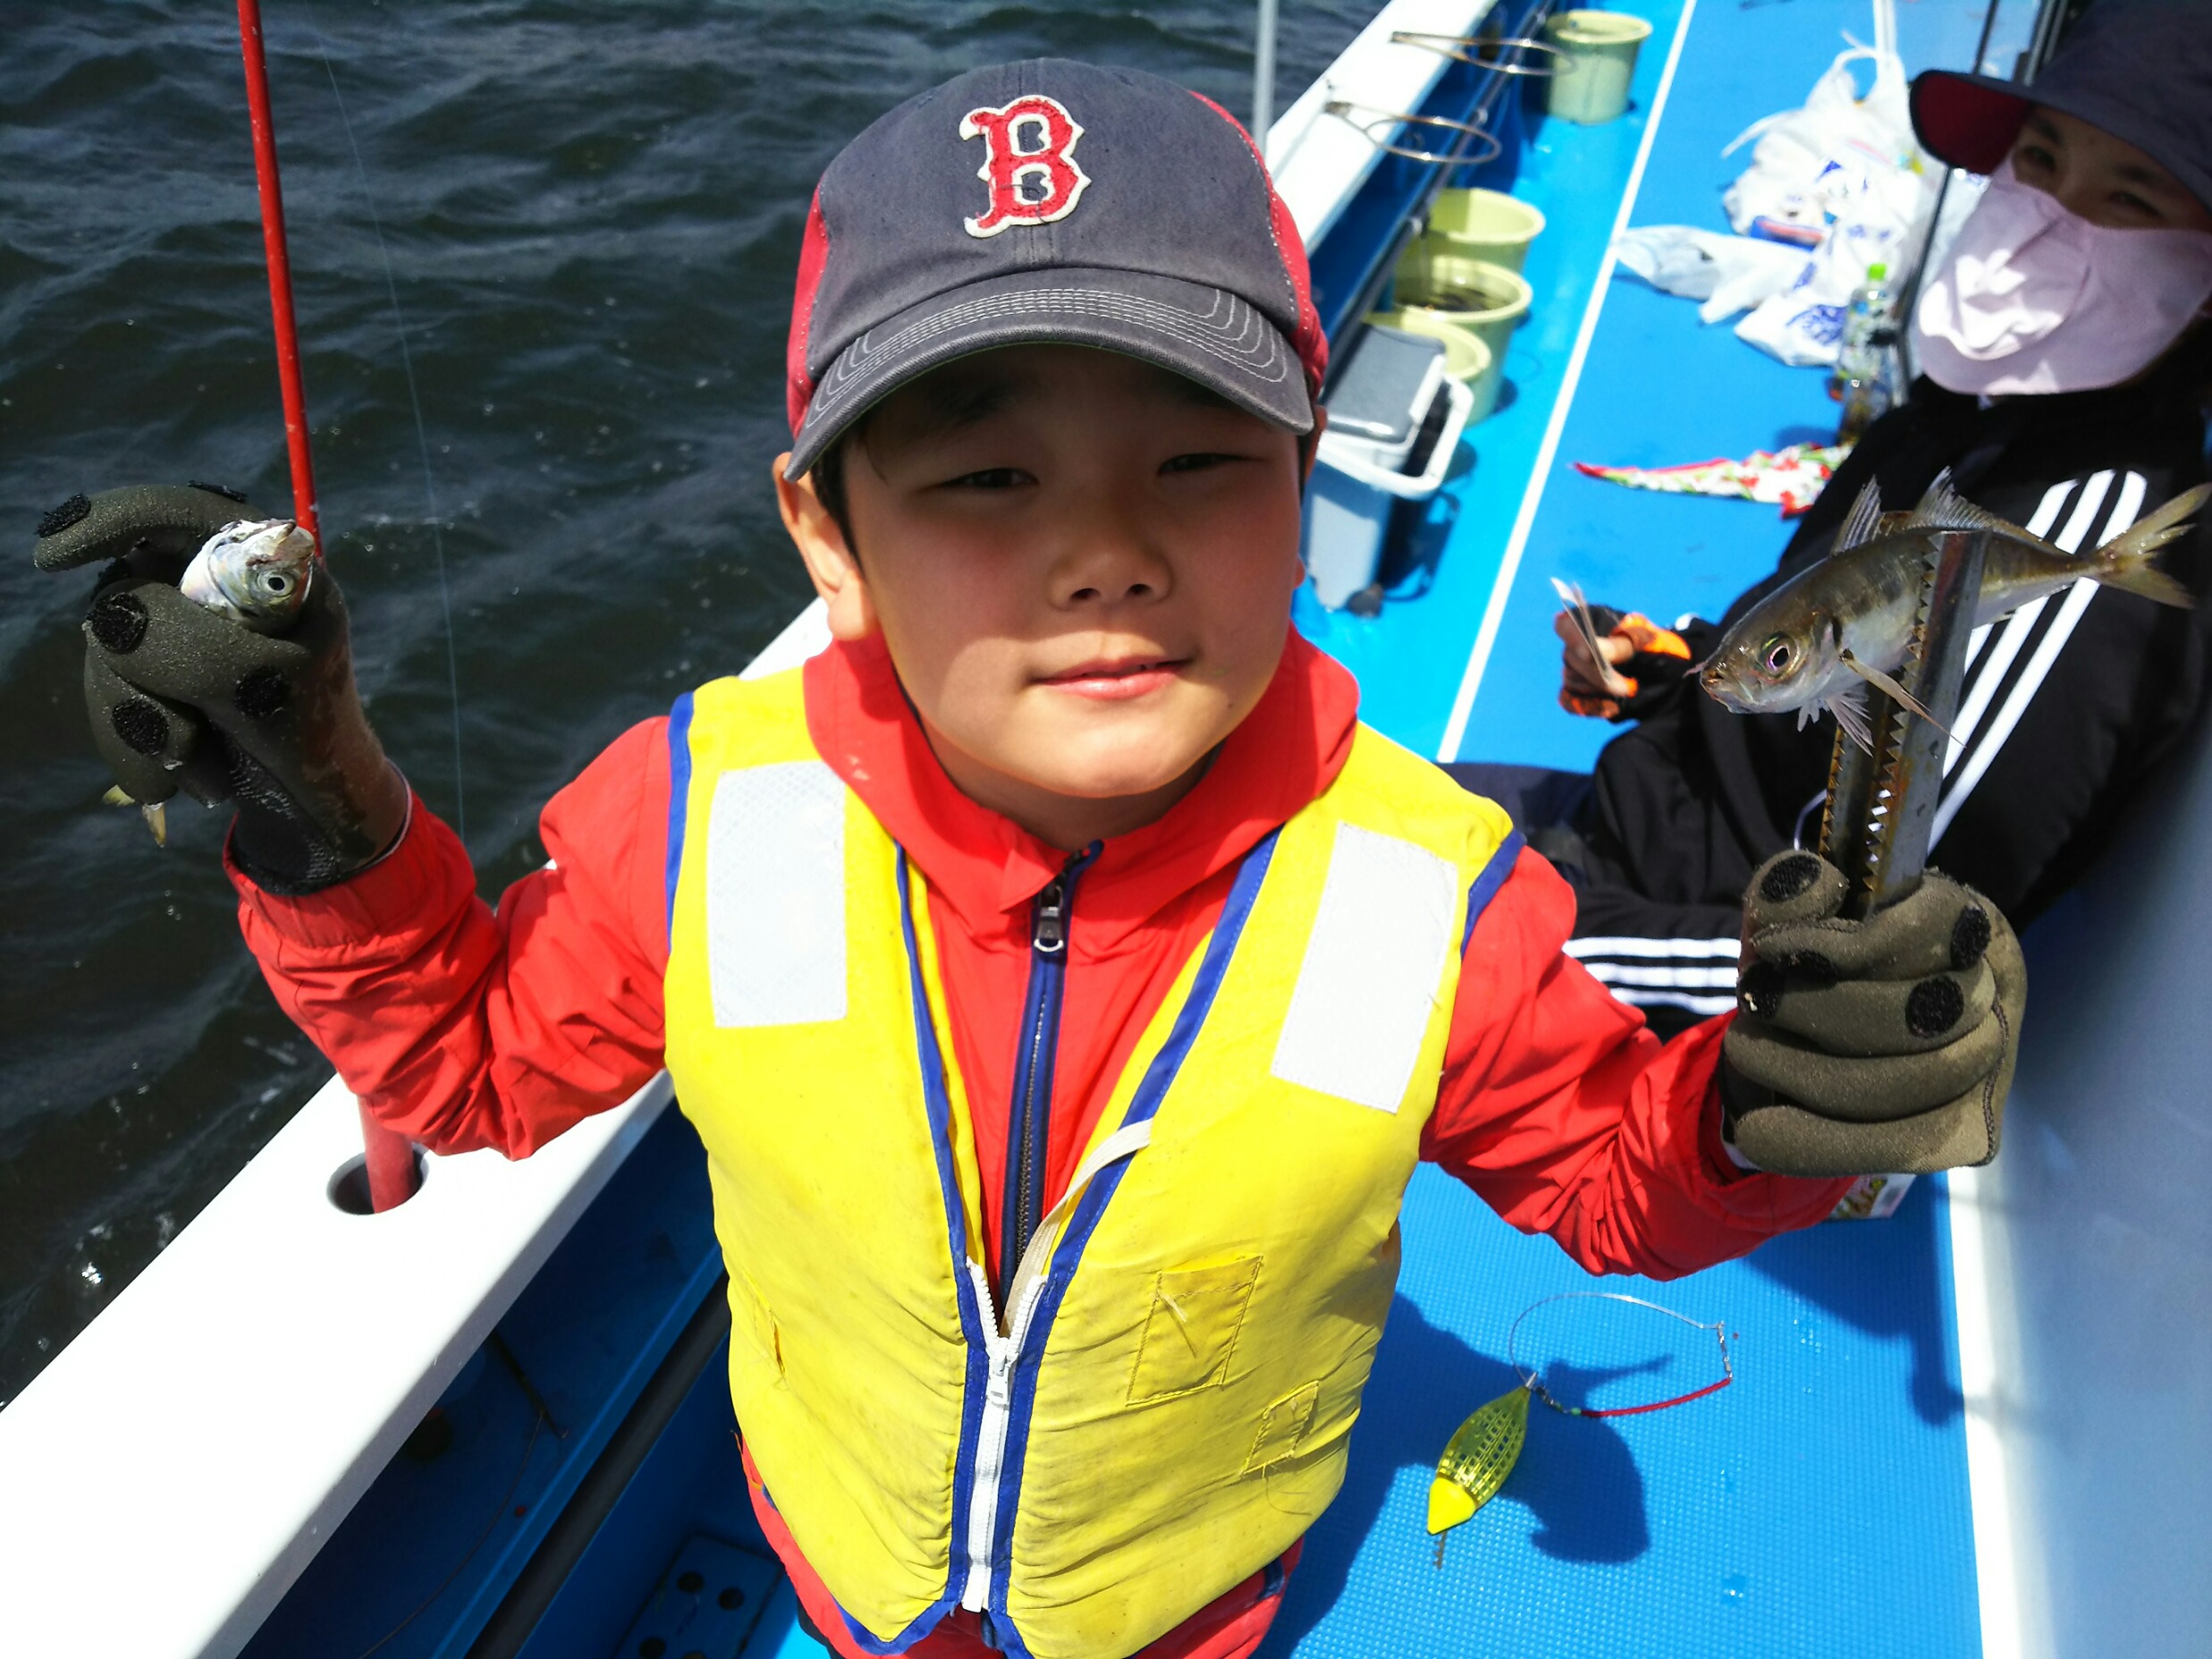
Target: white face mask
x=2036, y=299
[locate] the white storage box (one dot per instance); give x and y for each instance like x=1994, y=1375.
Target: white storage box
x=1377, y=408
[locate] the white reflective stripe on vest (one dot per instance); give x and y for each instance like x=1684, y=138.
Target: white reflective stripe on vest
x=775, y=896
x=1381, y=938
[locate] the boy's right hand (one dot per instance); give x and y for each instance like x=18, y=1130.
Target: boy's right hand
x=1870, y=1047
x=183, y=697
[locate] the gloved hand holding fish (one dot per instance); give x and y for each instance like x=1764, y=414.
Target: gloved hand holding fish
x=1821, y=639
x=1870, y=1047
x=218, y=661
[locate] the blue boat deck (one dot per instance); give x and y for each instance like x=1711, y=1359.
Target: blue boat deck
x=1822, y=1502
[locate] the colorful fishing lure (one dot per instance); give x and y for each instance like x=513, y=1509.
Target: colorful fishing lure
x=1482, y=1451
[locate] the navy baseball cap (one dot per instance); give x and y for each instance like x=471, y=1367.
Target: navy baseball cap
x=2141, y=72
x=1050, y=202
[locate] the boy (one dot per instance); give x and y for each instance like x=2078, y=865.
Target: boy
x=1063, y=983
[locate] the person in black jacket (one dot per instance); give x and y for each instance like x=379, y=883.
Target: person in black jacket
x=2073, y=429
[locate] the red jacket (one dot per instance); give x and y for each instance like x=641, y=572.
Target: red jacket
x=465, y=1028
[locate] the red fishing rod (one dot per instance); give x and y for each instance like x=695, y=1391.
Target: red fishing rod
x=390, y=1160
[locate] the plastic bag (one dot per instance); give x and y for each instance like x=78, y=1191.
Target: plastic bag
x=1727, y=273
x=1844, y=177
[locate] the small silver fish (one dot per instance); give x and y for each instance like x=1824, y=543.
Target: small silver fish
x=1816, y=642
x=256, y=572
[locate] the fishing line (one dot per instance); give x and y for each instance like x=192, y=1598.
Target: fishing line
x=422, y=433
x=1534, y=1384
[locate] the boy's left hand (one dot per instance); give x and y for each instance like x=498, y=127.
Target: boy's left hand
x=1870, y=1047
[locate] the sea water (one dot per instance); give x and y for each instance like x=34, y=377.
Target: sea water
x=592, y=214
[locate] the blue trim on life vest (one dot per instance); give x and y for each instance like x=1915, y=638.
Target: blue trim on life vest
x=938, y=1102
x=1490, y=881
x=678, y=798
x=1090, y=1208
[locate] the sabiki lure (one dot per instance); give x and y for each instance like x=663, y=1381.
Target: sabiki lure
x=1476, y=1460
x=1484, y=1450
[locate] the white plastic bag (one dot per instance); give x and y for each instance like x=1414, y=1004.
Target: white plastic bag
x=1727, y=273
x=1844, y=177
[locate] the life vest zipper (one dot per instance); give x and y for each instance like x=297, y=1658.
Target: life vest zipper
x=1028, y=1143
x=1029, y=1118
x=1002, y=1349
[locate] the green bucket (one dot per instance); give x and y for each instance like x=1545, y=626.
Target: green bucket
x=1591, y=85
x=1481, y=299
x=1484, y=224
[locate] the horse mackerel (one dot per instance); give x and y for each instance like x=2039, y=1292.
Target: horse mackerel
x=1814, y=643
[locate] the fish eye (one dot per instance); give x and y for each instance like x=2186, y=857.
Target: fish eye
x=1777, y=655
x=277, y=583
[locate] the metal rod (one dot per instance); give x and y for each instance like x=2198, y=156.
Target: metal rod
x=390, y=1159
x=1882, y=804
x=1909, y=294
x=695, y=1349
x=1263, y=76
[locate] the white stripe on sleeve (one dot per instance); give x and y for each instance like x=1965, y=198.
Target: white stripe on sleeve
x=1603, y=946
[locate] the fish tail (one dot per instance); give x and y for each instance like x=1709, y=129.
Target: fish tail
x=2125, y=561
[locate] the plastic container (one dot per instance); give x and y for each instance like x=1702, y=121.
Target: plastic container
x=1591, y=85
x=1472, y=297
x=1866, y=375
x=1377, y=410
x=1380, y=395
x=1489, y=226
x=1468, y=359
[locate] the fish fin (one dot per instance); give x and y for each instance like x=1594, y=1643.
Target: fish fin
x=2125, y=561
x=1943, y=508
x=116, y=797
x=1807, y=713
x=1571, y=599
x=1849, y=707
x=2147, y=581
x=1884, y=682
x=157, y=820
x=1863, y=524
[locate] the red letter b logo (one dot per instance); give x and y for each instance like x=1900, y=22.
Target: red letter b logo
x=1030, y=165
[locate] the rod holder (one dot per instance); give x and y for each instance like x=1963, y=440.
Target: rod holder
x=1467, y=48
x=1367, y=120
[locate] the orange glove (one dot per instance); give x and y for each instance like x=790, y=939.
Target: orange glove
x=1641, y=660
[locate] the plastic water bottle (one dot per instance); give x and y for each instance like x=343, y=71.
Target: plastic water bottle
x=1864, y=378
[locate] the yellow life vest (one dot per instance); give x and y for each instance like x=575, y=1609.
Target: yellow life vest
x=1164, y=1407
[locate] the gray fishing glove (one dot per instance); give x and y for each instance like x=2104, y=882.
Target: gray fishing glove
x=181, y=698
x=1870, y=1047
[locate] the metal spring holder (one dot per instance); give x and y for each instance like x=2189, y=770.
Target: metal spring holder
x=1882, y=805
